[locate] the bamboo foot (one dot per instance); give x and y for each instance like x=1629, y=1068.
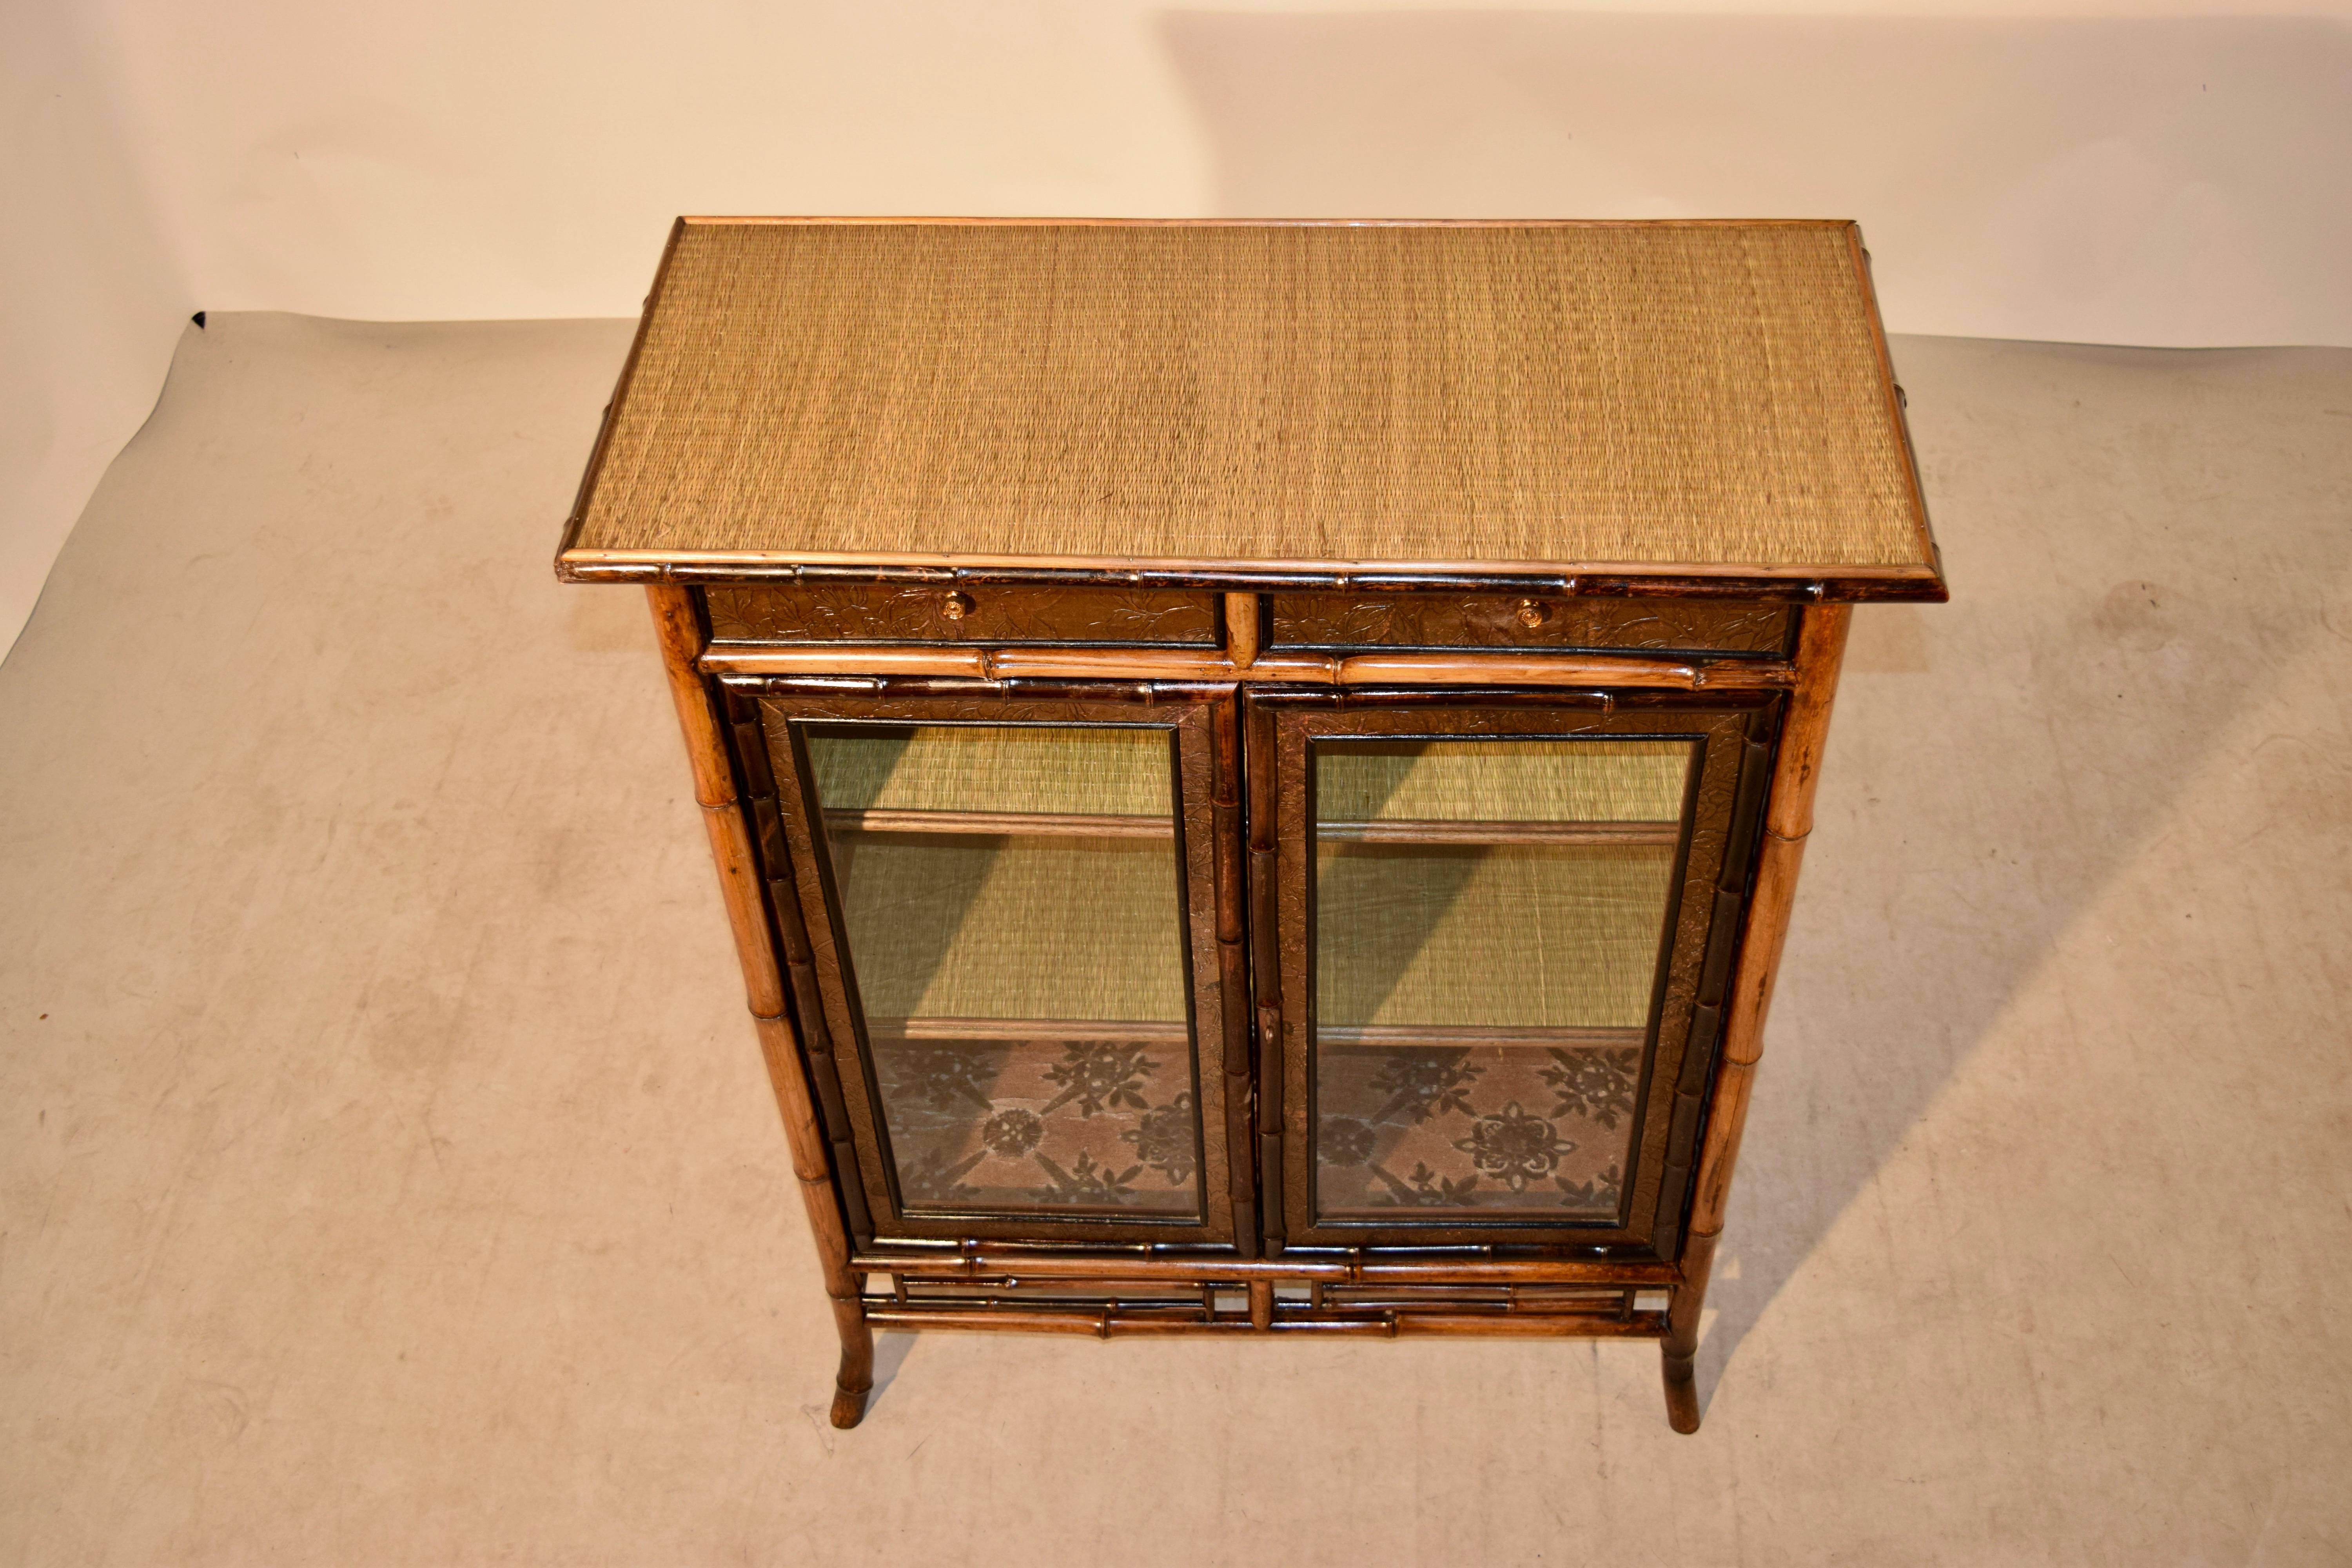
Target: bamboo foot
x=1682, y=1391
x=855, y=1380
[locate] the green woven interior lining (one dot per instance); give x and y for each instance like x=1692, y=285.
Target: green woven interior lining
x=1530, y=935
x=994, y=768
x=1501, y=781
x=1051, y=927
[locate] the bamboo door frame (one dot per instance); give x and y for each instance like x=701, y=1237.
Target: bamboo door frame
x=1200, y=721
x=1699, y=939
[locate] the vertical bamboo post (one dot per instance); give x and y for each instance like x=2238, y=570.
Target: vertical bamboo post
x=1787, y=819
x=1233, y=972
x=1258, y=742
x=738, y=880
x=1241, y=629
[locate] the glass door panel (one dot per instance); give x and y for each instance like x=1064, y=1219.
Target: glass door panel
x=1013, y=909
x=1490, y=921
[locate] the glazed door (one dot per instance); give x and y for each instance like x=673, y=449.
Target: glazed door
x=1010, y=909
x=1501, y=928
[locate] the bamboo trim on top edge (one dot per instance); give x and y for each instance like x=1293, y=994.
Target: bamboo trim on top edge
x=886, y=661
x=1562, y=578
x=873, y=220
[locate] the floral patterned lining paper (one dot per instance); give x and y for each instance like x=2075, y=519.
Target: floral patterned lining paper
x=1096, y=1125
x=1491, y=1127
x=1109, y=1126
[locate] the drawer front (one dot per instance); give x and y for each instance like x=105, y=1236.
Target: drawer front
x=1437, y=620
x=886, y=612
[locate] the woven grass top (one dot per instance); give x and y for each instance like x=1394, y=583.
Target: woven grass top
x=1710, y=397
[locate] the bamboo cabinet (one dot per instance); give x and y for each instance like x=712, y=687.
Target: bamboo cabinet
x=1258, y=770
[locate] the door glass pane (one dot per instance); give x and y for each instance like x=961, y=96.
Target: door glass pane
x=1014, y=913
x=1489, y=921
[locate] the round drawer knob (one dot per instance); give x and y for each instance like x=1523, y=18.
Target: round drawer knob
x=1533, y=613
x=956, y=606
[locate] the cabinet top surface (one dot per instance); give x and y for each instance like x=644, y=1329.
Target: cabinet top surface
x=1705, y=400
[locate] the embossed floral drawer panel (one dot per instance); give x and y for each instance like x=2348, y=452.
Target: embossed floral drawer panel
x=896, y=612
x=1441, y=621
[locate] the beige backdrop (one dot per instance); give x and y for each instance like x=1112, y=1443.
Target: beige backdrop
x=2087, y=171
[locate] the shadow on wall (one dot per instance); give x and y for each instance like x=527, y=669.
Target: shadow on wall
x=2163, y=182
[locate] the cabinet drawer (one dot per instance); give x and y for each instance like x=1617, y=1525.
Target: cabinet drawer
x=892, y=612
x=1437, y=621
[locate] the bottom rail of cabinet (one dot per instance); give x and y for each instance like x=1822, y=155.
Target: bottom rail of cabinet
x=884, y=1312
x=983, y=1263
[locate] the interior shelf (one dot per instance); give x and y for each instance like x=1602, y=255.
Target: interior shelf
x=1393, y=1036
x=1413, y=830
x=935, y=1028
x=1000, y=823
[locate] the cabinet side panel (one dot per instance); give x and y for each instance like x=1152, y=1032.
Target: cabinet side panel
x=1787, y=820
x=677, y=625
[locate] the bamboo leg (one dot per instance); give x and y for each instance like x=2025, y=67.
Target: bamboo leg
x=855, y=1382
x=738, y=880
x=1787, y=819
x=1679, y=1352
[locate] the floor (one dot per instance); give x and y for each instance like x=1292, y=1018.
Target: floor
x=387, y=1175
